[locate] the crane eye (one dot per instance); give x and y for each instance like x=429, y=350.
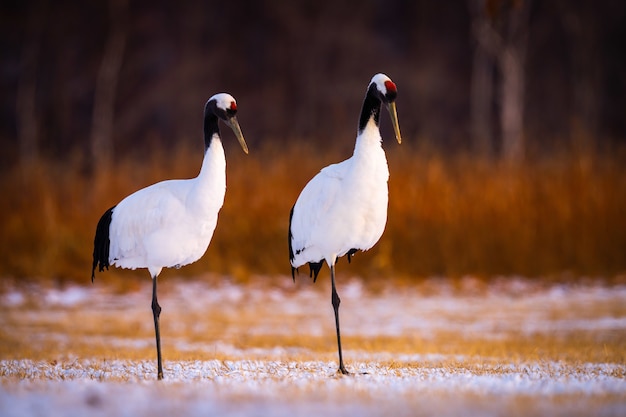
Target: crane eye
x=232, y=110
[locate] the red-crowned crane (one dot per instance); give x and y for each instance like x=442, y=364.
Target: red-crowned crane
x=343, y=209
x=170, y=223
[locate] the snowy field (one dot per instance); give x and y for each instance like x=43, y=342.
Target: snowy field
x=460, y=348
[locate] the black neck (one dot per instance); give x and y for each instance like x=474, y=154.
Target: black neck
x=210, y=128
x=371, y=108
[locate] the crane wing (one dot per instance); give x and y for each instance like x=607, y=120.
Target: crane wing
x=141, y=214
x=310, y=211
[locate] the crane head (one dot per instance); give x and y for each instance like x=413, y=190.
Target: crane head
x=224, y=106
x=387, y=92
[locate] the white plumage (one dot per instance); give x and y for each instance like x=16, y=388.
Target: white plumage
x=343, y=209
x=344, y=206
x=170, y=224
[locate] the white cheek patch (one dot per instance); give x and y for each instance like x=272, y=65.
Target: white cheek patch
x=381, y=80
x=224, y=101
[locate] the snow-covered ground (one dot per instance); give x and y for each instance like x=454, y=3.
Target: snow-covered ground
x=274, y=381
x=258, y=388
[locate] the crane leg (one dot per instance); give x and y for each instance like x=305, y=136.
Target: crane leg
x=336, y=301
x=156, y=312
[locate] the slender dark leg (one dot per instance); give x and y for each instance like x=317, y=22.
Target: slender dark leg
x=336, y=301
x=156, y=312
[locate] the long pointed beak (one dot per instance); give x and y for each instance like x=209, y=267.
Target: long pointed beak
x=394, y=120
x=234, y=125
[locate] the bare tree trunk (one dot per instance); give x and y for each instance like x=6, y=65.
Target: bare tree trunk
x=512, y=105
x=27, y=123
x=482, y=85
x=106, y=86
x=191, y=69
x=586, y=66
x=512, y=60
x=501, y=30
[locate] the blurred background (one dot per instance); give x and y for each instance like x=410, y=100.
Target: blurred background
x=512, y=114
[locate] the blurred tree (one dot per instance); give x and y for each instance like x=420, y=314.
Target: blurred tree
x=585, y=64
x=27, y=120
x=482, y=88
x=106, y=86
x=501, y=30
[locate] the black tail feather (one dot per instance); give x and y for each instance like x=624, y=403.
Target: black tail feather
x=291, y=255
x=102, y=243
x=315, y=269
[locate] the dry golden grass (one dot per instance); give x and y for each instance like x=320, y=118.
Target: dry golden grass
x=256, y=321
x=448, y=216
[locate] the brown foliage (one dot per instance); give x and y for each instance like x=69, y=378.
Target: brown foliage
x=447, y=216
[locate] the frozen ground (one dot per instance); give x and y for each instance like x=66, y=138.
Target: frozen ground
x=276, y=388
x=269, y=379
